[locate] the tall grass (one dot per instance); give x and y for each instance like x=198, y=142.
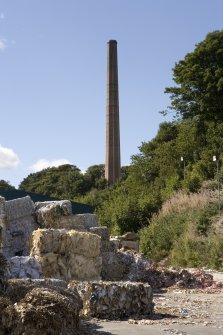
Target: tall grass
x=182, y=232
x=181, y=201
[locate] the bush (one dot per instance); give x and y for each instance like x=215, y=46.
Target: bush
x=189, y=251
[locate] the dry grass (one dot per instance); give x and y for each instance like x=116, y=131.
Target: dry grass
x=181, y=201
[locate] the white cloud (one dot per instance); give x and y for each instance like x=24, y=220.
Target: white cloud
x=3, y=44
x=2, y=16
x=8, y=158
x=44, y=163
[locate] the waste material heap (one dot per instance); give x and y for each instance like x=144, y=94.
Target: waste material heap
x=50, y=257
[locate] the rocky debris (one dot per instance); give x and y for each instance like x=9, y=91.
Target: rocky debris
x=24, y=267
x=42, y=311
x=67, y=254
x=114, y=300
x=17, y=223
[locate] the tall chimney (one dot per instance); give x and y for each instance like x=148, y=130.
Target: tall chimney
x=113, y=164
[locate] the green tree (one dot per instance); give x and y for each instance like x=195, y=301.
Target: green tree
x=95, y=176
x=199, y=79
x=6, y=186
x=65, y=181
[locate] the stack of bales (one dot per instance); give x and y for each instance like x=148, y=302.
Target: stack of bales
x=67, y=254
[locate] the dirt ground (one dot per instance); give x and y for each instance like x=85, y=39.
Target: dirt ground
x=177, y=311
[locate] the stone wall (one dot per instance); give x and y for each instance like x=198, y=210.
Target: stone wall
x=67, y=254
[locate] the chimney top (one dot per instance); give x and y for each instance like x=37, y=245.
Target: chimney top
x=112, y=41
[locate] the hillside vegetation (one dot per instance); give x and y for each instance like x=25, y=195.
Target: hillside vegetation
x=161, y=193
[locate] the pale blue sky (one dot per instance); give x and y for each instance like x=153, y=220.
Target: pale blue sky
x=53, y=74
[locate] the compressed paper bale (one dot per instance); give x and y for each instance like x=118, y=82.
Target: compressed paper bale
x=4, y=303
x=73, y=255
x=49, y=213
x=52, y=267
x=103, y=232
x=19, y=208
x=43, y=311
x=73, y=267
x=84, y=268
x=80, y=243
x=65, y=205
x=114, y=300
x=116, y=241
x=115, y=265
x=24, y=267
x=70, y=222
x=3, y=266
x=18, y=223
x=129, y=236
x=46, y=241
x=132, y=245
x=108, y=246
x=87, y=220
x=16, y=289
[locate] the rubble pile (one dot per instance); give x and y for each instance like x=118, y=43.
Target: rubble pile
x=202, y=279
x=67, y=254
x=135, y=267
x=114, y=300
